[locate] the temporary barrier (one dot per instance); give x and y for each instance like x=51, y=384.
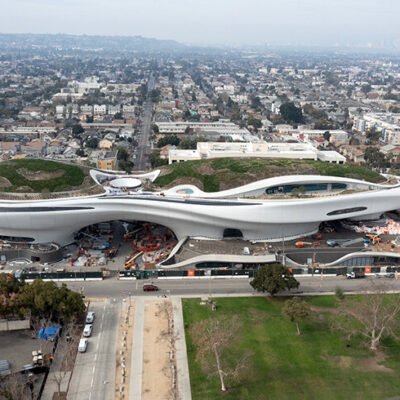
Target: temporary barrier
x=127, y=275
x=243, y=273
x=63, y=276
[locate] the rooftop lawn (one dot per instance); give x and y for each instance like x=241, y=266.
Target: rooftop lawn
x=226, y=173
x=72, y=177
x=316, y=365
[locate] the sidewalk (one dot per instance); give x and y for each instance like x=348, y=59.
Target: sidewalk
x=51, y=386
x=56, y=375
x=135, y=379
x=183, y=378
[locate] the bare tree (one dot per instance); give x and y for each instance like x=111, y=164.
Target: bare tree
x=165, y=309
x=65, y=356
x=213, y=338
x=373, y=315
x=14, y=387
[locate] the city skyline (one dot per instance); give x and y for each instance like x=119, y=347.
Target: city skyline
x=368, y=23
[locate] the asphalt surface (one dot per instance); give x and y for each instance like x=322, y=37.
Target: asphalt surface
x=324, y=254
x=320, y=255
x=145, y=129
x=93, y=377
x=114, y=289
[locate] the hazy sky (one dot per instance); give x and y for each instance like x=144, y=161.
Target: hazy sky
x=212, y=21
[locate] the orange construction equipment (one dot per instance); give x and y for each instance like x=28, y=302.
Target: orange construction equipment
x=300, y=245
x=130, y=265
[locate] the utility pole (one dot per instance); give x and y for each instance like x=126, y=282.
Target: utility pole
x=209, y=283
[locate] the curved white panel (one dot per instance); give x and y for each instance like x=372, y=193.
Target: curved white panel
x=200, y=214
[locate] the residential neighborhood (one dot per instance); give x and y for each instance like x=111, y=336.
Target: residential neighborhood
x=92, y=113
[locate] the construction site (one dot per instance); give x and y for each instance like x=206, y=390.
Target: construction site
x=122, y=246
x=114, y=246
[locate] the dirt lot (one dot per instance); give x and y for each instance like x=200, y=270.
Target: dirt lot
x=124, y=360
x=4, y=182
x=40, y=175
x=156, y=384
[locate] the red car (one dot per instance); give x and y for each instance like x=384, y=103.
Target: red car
x=150, y=288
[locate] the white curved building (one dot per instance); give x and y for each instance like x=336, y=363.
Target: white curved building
x=266, y=210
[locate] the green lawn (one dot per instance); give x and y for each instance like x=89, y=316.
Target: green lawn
x=72, y=178
x=186, y=169
x=226, y=173
x=316, y=365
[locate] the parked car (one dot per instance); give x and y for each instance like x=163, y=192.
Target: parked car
x=332, y=243
x=90, y=317
x=83, y=343
x=150, y=288
x=87, y=331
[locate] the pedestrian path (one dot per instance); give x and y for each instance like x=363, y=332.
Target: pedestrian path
x=150, y=310
x=183, y=378
x=53, y=380
x=135, y=379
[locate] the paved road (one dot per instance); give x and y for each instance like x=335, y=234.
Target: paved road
x=93, y=377
x=321, y=255
x=112, y=288
x=145, y=129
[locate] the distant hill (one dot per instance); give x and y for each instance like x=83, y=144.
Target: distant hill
x=64, y=42
x=227, y=173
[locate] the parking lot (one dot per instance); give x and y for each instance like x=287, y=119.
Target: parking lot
x=17, y=347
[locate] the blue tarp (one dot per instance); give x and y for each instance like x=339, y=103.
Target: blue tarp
x=49, y=332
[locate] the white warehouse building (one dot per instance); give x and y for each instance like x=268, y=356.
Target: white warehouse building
x=296, y=151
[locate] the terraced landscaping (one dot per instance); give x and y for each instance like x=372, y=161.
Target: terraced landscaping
x=39, y=176
x=227, y=173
